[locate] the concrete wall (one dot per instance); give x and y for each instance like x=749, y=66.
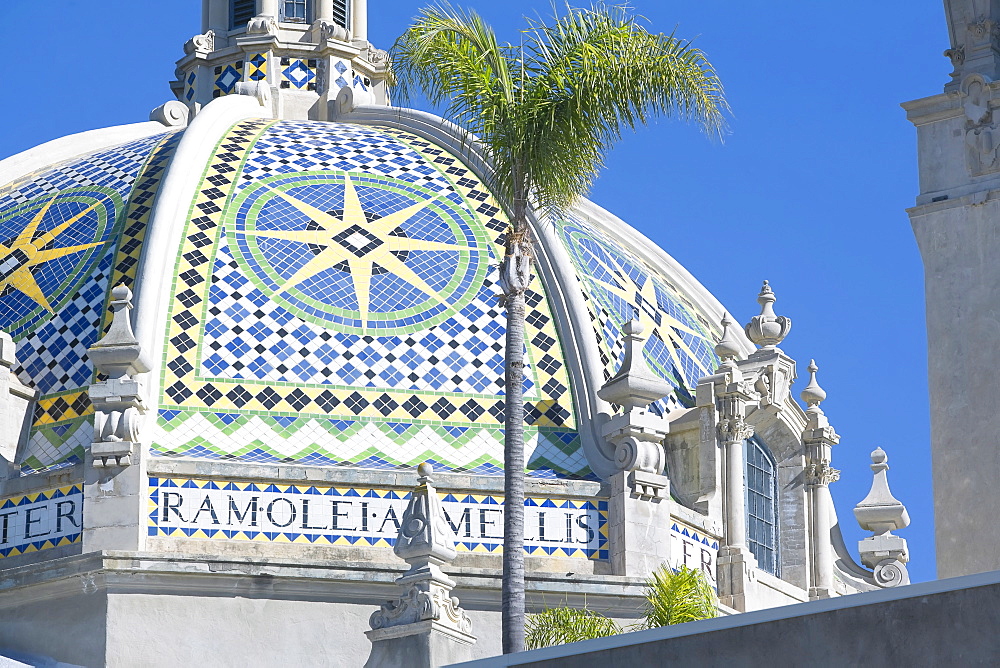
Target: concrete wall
x=950, y=622
x=955, y=223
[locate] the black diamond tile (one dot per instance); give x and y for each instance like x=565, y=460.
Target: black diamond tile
x=414, y=407
x=209, y=394
x=497, y=411
x=81, y=404
x=356, y=403
x=472, y=410
x=443, y=408
x=549, y=364
x=327, y=401
x=179, y=391
x=268, y=398
x=180, y=366
x=554, y=388
x=240, y=396
x=298, y=399
x=185, y=319
x=385, y=405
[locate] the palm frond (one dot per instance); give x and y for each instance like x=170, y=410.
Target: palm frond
x=558, y=626
x=675, y=597
x=592, y=74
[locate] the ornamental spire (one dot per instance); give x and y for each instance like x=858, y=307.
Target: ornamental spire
x=813, y=394
x=634, y=386
x=728, y=347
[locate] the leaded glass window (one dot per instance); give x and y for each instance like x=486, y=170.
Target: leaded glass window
x=241, y=11
x=294, y=11
x=762, y=505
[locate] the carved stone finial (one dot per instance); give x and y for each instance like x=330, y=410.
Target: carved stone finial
x=118, y=353
x=728, y=347
x=425, y=537
x=881, y=513
x=813, y=394
x=767, y=330
x=426, y=542
x=634, y=386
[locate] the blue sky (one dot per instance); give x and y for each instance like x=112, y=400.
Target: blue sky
x=808, y=190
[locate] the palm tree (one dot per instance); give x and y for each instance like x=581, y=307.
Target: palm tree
x=672, y=597
x=545, y=112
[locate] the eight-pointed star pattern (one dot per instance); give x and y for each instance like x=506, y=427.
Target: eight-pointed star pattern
x=24, y=252
x=360, y=243
x=680, y=338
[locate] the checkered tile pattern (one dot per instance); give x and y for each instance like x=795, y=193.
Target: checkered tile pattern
x=233, y=350
x=52, y=347
x=257, y=67
x=618, y=286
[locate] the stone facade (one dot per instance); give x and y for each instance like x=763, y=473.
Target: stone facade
x=954, y=221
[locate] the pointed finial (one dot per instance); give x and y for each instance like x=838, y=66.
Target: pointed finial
x=728, y=348
x=880, y=511
x=118, y=353
x=768, y=330
x=813, y=394
x=634, y=386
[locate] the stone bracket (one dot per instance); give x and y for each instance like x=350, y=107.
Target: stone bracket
x=113, y=453
x=649, y=486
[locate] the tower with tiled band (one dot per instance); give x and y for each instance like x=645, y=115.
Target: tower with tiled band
x=303, y=51
x=242, y=326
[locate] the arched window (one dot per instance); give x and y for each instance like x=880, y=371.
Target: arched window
x=762, y=505
x=240, y=12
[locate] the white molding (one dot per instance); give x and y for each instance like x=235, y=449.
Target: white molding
x=169, y=220
x=72, y=146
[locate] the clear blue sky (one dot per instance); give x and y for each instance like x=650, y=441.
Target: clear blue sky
x=808, y=190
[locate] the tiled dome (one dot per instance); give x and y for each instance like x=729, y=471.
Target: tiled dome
x=331, y=300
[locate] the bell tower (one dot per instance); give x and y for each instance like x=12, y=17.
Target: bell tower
x=303, y=51
x=956, y=221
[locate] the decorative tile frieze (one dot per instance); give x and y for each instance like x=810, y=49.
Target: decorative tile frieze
x=256, y=67
x=41, y=520
x=344, y=516
x=298, y=74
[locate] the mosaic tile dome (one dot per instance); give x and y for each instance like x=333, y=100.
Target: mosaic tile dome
x=332, y=301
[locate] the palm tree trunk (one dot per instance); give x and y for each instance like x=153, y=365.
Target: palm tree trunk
x=515, y=275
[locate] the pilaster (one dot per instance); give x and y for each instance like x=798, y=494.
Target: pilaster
x=955, y=225
x=819, y=438
x=115, y=465
x=639, y=509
